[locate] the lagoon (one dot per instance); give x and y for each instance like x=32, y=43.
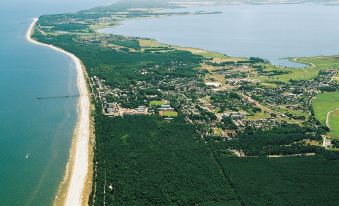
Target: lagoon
x=271, y=31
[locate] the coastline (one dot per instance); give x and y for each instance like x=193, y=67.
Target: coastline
x=77, y=178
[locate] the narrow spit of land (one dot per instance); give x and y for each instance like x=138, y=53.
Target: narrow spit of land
x=77, y=167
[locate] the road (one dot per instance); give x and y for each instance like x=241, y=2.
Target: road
x=328, y=117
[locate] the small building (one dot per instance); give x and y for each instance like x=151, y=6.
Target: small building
x=141, y=109
x=234, y=115
x=166, y=107
x=213, y=84
x=237, y=116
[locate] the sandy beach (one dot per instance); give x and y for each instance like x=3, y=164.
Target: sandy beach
x=77, y=170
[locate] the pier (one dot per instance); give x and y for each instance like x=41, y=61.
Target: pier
x=57, y=97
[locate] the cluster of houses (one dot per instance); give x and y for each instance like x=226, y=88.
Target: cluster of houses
x=294, y=95
x=191, y=94
x=113, y=109
x=234, y=115
x=140, y=110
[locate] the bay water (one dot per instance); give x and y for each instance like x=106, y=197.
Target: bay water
x=272, y=31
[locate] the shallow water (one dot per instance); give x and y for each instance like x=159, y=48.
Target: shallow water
x=273, y=32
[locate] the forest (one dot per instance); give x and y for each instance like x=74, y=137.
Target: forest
x=121, y=68
x=149, y=161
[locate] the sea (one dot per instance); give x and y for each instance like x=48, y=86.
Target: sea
x=273, y=32
x=35, y=134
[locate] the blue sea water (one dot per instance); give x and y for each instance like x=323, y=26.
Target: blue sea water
x=273, y=32
x=40, y=130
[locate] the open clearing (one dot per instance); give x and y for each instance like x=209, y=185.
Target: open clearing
x=334, y=123
x=168, y=113
x=324, y=103
x=320, y=62
x=156, y=103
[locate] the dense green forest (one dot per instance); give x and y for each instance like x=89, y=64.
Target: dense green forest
x=121, y=68
x=284, y=181
x=148, y=161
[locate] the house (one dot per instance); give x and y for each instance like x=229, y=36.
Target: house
x=213, y=84
x=166, y=107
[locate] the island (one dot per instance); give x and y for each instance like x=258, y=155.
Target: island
x=184, y=126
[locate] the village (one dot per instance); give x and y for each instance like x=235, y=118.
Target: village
x=114, y=109
x=222, y=109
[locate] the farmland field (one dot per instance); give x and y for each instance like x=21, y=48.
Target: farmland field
x=324, y=103
x=334, y=123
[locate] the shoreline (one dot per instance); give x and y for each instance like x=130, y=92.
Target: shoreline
x=77, y=174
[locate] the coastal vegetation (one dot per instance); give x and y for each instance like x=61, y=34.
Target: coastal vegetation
x=184, y=126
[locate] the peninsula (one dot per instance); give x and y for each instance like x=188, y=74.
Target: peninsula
x=185, y=126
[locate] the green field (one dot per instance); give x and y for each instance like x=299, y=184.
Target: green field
x=320, y=62
x=294, y=74
x=169, y=114
x=209, y=54
x=324, y=103
x=156, y=103
x=315, y=65
x=334, y=123
x=298, y=74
